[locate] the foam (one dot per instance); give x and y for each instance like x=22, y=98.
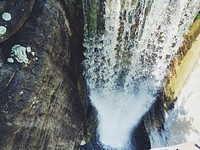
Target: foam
x=118, y=114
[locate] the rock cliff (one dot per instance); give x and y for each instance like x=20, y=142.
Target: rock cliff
x=40, y=75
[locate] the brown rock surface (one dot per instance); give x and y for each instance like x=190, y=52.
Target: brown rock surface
x=40, y=106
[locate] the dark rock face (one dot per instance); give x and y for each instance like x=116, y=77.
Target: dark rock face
x=93, y=144
x=140, y=138
x=40, y=106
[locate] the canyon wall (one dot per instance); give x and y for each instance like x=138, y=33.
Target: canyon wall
x=41, y=98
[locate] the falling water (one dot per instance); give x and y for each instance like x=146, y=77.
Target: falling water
x=129, y=45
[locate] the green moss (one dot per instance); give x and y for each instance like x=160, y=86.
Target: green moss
x=94, y=19
x=198, y=15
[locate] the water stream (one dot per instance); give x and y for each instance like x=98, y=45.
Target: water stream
x=129, y=46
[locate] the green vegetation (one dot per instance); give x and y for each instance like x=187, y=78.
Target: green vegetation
x=198, y=15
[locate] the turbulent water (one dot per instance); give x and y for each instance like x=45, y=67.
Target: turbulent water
x=129, y=46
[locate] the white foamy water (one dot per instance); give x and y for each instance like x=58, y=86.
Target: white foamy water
x=126, y=63
x=119, y=114
x=183, y=122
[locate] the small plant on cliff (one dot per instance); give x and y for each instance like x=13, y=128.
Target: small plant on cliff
x=198, y=15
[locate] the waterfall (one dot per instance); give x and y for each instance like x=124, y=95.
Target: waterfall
x=129, y=45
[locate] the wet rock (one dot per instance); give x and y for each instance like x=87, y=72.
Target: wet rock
x=40, y=105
